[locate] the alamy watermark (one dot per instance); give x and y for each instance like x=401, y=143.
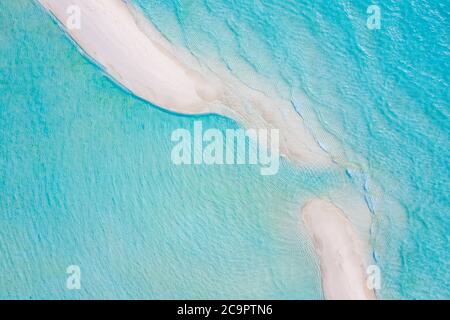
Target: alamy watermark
x=236, y=146
x=73, y=21
x=373, y=280
x=374, y=18
x=73, y=281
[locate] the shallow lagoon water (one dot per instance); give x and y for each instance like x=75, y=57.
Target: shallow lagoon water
x=86, y=176
x=377, y=99
x=86, y=179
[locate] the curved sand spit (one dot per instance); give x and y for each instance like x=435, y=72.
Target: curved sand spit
x=340, y=252
x=135, y=54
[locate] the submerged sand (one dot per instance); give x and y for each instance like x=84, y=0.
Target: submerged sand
x=135, y=55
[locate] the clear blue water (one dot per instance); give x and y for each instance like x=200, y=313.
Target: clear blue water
x=86, y=177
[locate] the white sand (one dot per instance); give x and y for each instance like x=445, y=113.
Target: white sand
x=133, y=53
x=110, y=36
x=340, y=251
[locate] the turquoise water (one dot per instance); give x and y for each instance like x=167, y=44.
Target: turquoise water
x=86, y=176
x=381, y=95
x=86, y=179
